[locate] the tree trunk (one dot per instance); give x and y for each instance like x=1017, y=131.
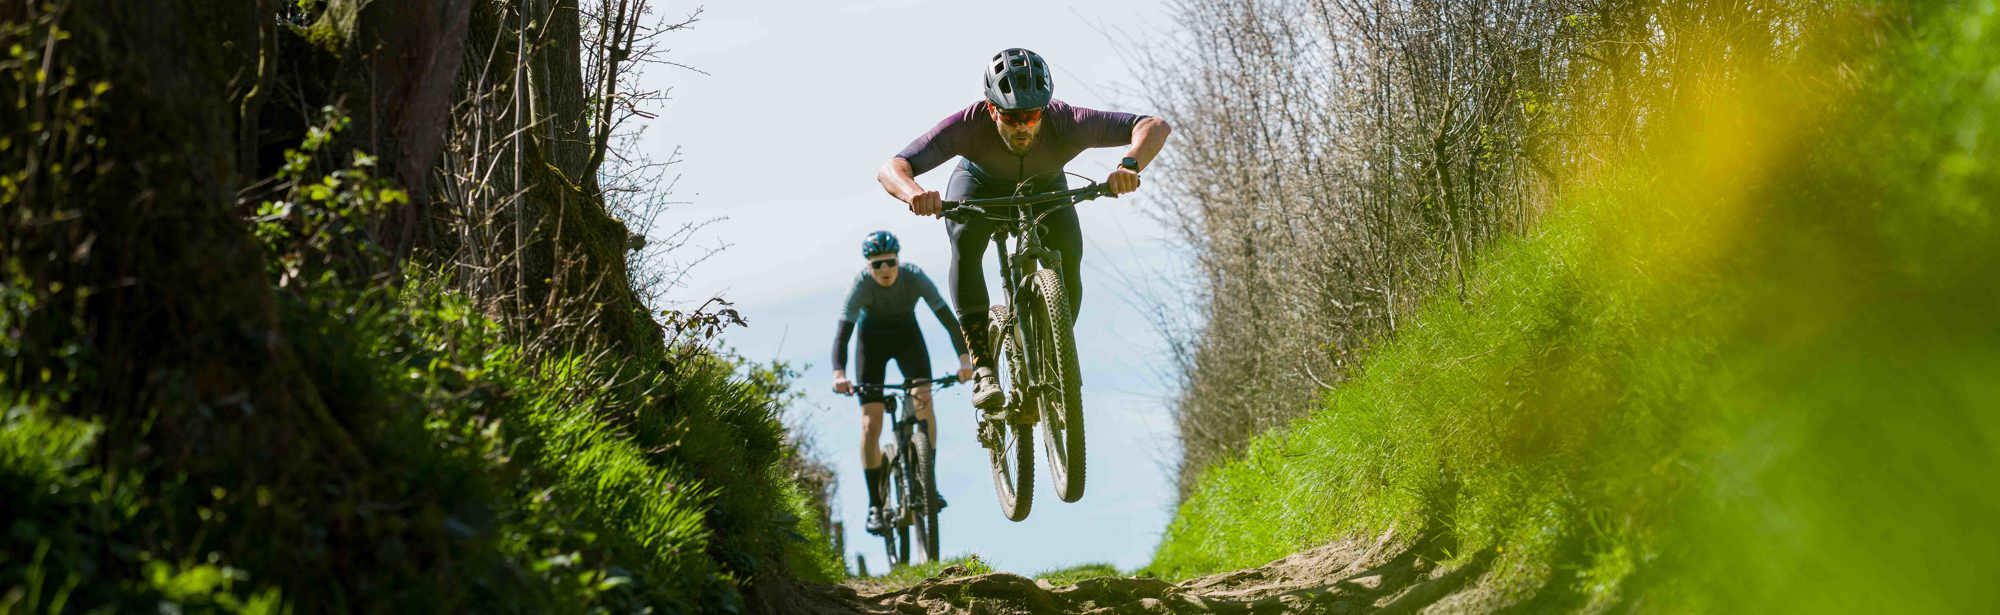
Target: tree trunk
x=404, y=59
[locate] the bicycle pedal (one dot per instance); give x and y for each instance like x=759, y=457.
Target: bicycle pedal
x=989, y=432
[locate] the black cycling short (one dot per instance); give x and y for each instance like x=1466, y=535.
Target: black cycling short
x=904, y=343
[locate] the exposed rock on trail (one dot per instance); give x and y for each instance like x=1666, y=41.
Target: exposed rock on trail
x=1343, y=577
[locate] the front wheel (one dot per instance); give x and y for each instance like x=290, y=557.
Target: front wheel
x=1008, y=447
x=1056, y=371
x=923, y=496
x=896, y=528
x=887, y=512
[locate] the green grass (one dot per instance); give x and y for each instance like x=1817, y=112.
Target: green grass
x=522, y=487
x=902, y=577
x=480, y=479
x=1070, y=575
x=906, y=576
x=1750, y=369
x=215, y=406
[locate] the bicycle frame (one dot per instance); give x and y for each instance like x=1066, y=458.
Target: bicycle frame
x=1024, y=218
x=901, y=423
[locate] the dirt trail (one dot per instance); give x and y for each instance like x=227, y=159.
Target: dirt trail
x=1384, y=575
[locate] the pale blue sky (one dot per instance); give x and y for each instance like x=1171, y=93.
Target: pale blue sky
x=802, y=101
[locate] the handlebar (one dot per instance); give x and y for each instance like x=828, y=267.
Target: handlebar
x=941, y=382
x=960, y=209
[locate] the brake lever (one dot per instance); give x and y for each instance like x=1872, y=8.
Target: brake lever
x=960, y=213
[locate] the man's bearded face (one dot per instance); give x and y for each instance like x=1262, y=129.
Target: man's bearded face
x=1018, y=129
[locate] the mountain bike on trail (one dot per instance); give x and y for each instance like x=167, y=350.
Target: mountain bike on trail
x=882, y=305
x=912, y=501
x=1030, y=331
x=1012, y=145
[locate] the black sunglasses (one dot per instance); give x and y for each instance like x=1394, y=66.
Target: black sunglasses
x=887, y=262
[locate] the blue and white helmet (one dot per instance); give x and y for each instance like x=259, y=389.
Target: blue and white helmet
x=880, y=242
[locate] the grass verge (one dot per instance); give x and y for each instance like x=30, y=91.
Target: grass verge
x=1746, y=368
x=1070, y=575
x=418, y=458
x=904, y=577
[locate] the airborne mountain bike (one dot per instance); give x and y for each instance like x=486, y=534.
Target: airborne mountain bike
x=912, y=501
x=1031, y=336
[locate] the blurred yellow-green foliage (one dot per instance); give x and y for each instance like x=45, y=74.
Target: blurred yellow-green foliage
x=1748, y=366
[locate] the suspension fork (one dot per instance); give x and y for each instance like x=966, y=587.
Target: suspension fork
x=1007, y=268
x=1010, y=279
x=1021, y=266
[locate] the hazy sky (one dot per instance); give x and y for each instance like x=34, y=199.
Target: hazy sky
x=801, y=102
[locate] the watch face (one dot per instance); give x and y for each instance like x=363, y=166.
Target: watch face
x=1129, y=163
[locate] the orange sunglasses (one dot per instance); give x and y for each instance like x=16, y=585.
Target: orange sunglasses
x=1024, y=117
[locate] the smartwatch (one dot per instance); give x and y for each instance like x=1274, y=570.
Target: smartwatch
x=1130, y=163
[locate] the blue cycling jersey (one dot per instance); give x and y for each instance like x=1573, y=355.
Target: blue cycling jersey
x=891, y=308
x=875, y=305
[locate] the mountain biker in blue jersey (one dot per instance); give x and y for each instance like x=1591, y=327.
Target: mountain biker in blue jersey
x=882, y=303
x=1019, y=133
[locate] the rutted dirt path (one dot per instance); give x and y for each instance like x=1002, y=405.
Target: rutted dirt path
x=1383, y=575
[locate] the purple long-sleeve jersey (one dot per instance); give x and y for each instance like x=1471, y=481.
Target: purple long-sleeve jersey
x=1066, y=131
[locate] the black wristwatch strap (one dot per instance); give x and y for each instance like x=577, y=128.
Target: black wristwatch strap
x=1130, y=163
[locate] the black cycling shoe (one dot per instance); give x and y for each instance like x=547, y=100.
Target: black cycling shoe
x=986, y=393
x=874, y=524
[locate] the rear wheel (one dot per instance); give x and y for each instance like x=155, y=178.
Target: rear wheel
x=1061, y=403
x=1008, y=447
x=923, y=496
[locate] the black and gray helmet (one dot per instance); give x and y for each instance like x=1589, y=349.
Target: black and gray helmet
x=1018, y=79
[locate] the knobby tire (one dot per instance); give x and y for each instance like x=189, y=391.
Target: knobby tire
x=888, y=501
x=898, y=530
x=1013, y=456
x=924, y=495
x=1062, y=414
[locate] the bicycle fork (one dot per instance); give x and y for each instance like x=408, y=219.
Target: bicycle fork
x=1014, y=282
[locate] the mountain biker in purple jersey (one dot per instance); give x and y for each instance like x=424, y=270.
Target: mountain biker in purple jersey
x=882, y=304
x=1019, y=133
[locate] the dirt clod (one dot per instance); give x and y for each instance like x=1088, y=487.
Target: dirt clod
x=1363, y=576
